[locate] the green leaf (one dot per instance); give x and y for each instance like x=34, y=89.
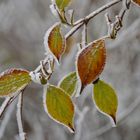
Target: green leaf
x=62, y=4
x=90, y=62
x=54, y=41
x=13, y=80
x=59, y=106
x=69, y=83
x=105, y=99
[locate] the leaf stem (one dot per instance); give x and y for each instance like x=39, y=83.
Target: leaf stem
x=84, y=36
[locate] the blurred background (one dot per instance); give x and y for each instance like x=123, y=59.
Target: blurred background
x=23, y=24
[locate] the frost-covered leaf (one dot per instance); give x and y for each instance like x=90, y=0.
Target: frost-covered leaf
x=54, y=41
x=59, y=106
x=69, y=83
x=13, y=80
x=62, y=4
x=105, y=99
x=90, y=62
x=136, y=2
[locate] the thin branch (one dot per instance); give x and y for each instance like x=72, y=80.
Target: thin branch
x=81, y=22
x=84, y=35
x=22, y=134
x=127, y=34
x=126, y=6
x=114, y=27
x=6, y=119
x=4, y=106
x=6, y=103
x=78, y=24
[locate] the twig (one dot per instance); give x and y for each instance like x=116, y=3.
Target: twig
x=126, y=6
x=114, y=27
x=5, y=105
x=6, y=119
x=78, y=24
x=84, y=35
x=127, y=34
x=81, y=22
x=22, y=134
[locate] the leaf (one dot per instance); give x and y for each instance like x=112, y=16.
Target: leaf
x=58, y=13
x=105, y=99
x=59, y=106
x=61, y=4
x=136, y=2
x=90, y=62
x=13, y=80
x=69, y=83
x=54, y=41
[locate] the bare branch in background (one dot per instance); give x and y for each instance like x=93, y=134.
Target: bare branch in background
x=124, y=74
x=4, y=105
x=6, y=119
x=80, y=122
x=22, y=134
x=81, y=22
x=84, y=35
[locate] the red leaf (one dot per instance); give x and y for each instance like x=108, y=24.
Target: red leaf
x=90, y=62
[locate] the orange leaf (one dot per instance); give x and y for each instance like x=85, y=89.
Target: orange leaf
x=90, y=62
x=54, y=41
x=136, y=2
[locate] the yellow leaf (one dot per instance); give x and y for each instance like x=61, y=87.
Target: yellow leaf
x=13, y=80
x=69, y=83
x=54, y=41
x=90, y=62
x=105, y=99
x=59, y=106
x=61, y=4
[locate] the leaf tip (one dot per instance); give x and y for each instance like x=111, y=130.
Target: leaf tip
x=71, y=127
x=114, y=120
x=58, y=60
x=82, y=88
